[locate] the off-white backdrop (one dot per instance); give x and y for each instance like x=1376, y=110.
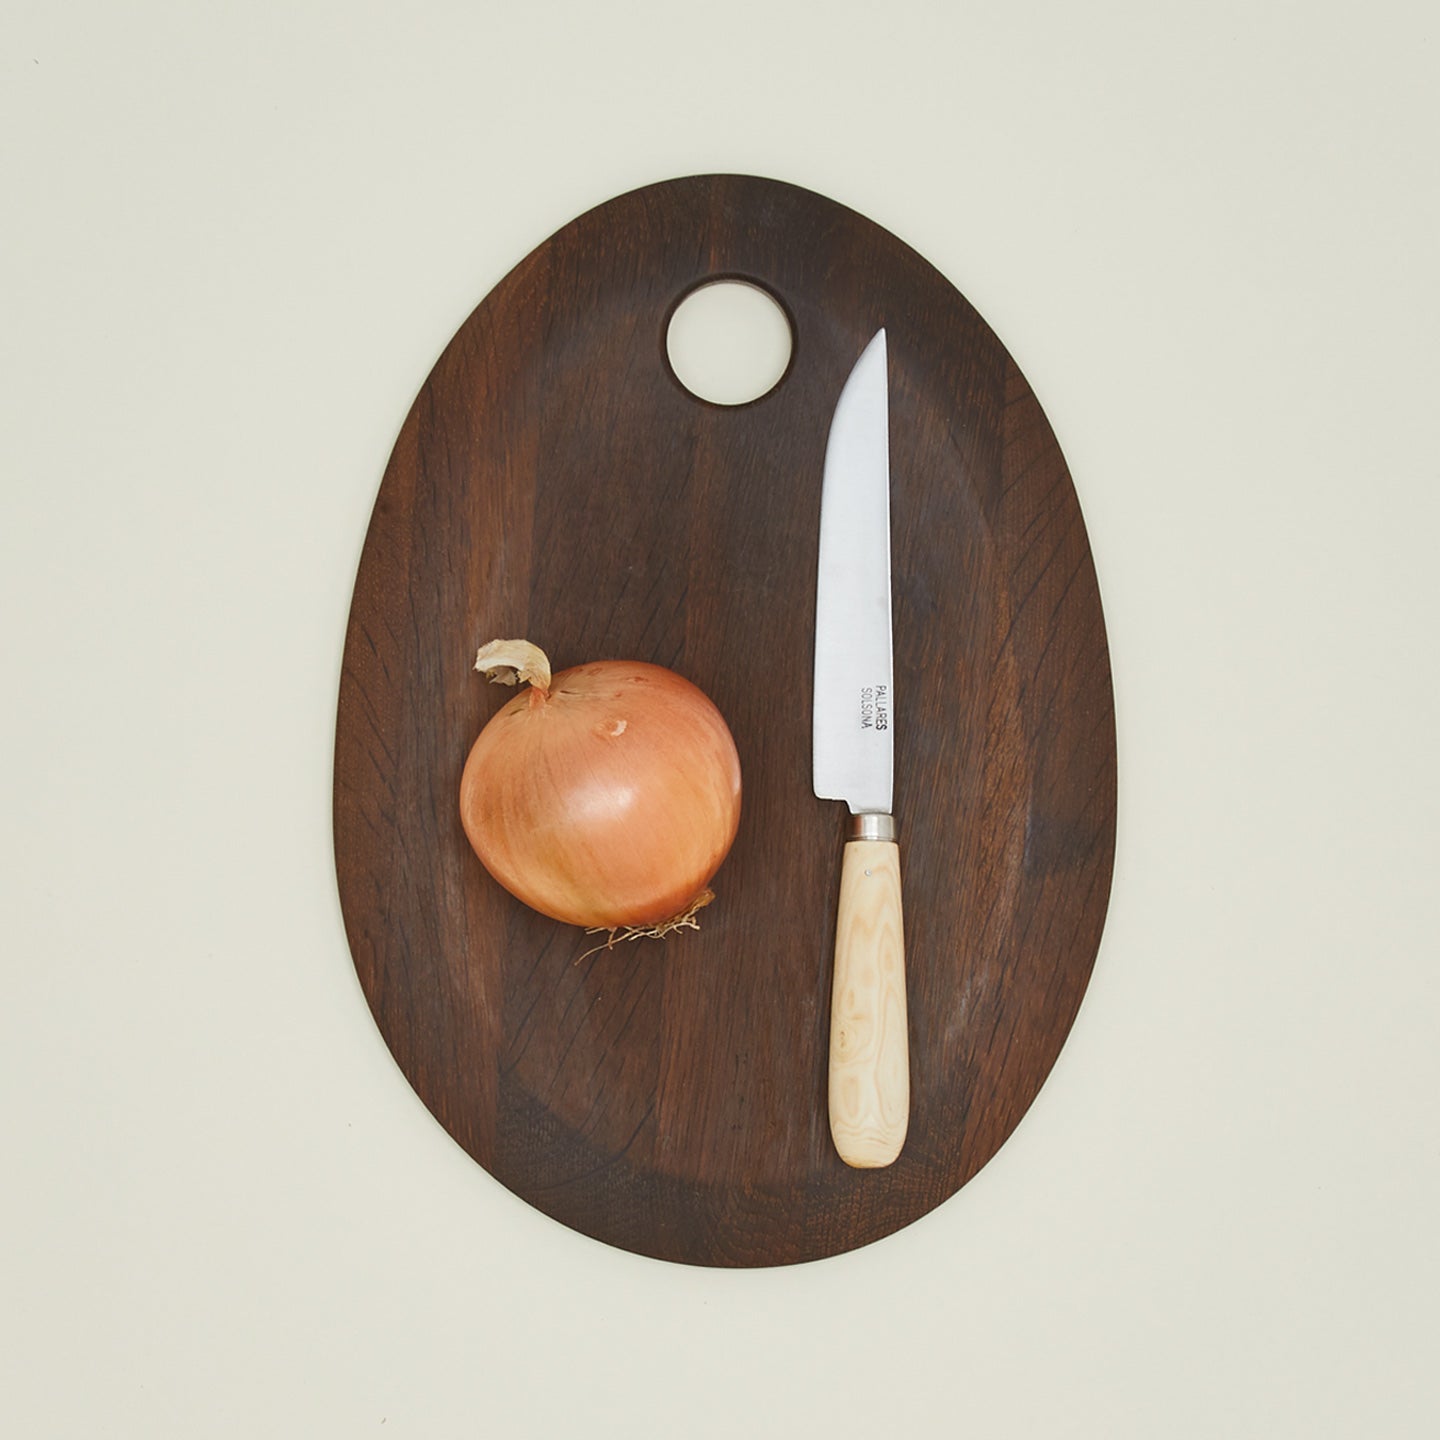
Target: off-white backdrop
x=235, y=239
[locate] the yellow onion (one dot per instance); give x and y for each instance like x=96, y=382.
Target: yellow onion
x=606, y=796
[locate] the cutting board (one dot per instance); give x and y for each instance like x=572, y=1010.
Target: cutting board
x=555, y=481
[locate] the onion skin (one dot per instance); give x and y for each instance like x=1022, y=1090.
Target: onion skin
x=608, y=799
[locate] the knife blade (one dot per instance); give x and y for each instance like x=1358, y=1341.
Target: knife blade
x=853, y=757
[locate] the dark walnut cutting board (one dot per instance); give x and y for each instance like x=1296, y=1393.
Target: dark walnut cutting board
x=555, y=481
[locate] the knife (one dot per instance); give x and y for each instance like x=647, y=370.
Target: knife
x=853, y=752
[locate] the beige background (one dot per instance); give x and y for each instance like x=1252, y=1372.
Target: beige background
x=235, y=239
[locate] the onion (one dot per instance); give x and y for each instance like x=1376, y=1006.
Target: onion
x=605, y=797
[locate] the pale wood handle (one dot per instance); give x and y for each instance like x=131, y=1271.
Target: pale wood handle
x=869, y=1040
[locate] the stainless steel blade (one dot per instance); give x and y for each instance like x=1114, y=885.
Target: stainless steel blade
x=854, y=714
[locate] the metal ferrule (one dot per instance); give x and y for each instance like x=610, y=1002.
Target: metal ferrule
x=873, y=826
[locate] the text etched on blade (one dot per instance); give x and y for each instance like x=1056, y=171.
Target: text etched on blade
x=875, y=707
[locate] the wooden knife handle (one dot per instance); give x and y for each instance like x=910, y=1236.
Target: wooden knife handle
x=869, y=1040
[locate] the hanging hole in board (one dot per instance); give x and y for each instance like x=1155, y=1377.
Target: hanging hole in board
x=729, y=342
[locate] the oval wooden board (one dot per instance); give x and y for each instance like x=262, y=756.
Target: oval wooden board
x=555, y=481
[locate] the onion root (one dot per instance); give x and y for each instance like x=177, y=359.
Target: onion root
x=684, y=921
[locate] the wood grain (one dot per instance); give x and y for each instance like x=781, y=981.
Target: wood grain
x=554, y=480
x=869, y=1084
